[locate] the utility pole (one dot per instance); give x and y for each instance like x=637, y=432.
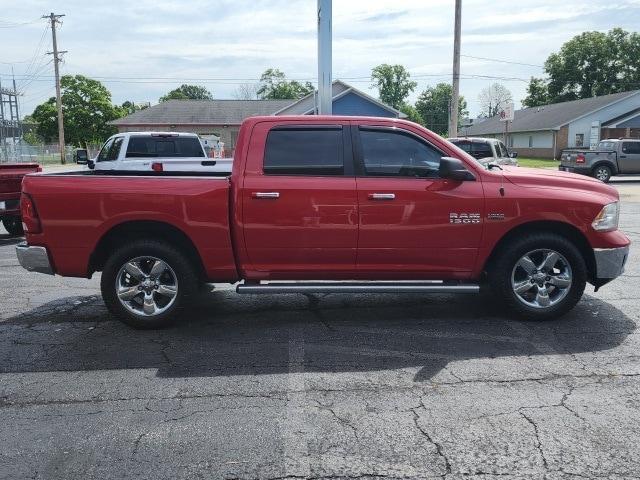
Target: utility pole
x=453, y=115
x=325, y=96
x=56, y=60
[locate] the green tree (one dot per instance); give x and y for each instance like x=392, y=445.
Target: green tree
x=274, y=85
x=188, y=92
x=394, y=84
x=87, y=108
x=433, y=107
x=591, y=64
x=537, y=93
x=412, y=113
x=131, y=107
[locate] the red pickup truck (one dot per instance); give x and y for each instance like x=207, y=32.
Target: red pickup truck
x=10, y=179
x=328, y=204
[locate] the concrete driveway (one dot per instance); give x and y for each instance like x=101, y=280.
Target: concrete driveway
x=339, y=386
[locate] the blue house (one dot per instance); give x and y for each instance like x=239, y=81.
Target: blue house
x=347, y=100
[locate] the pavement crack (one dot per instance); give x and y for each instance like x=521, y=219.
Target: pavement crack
x=537, y=436
x=437, y=445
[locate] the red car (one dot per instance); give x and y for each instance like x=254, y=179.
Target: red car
x=10, y=179
x=328, y=204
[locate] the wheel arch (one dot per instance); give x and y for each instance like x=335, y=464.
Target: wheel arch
x=612, y=166
x=563, y=229
x=129, y=231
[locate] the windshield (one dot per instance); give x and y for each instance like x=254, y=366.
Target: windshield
x=606, y=146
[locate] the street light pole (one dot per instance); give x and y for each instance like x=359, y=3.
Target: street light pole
x=324, y=58
x=453, y=116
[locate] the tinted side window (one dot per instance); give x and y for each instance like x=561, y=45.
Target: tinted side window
x=482, y=150
x=305, y=151
x=153, y=147
x=102, y=156
x=114, y=151
x=396, y=154
x=631, y=147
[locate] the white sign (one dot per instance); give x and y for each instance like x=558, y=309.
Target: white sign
x=506, y=114
x=594, y=138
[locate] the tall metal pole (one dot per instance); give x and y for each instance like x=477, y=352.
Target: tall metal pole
x=324, y=57
x=56, y=60
x=453, y=117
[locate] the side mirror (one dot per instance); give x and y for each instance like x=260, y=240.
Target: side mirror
x=82, y=156
x=91, y=164
x=513, y=154
x=454, y=169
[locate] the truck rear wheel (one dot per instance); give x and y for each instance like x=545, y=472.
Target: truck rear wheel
x=13, y=225
x=539, y=277
x=602, y=173
x=146, y=282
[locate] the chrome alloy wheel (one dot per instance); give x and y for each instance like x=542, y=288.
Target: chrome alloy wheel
x=541, y=278
x=602, y=174
x=146, y=286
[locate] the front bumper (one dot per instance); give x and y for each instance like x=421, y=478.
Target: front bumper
x=610, y=262
x=34, y=259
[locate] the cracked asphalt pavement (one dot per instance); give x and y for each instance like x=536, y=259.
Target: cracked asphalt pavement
x=306, y=387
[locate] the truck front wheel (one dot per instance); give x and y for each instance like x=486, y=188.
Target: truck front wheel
x=602, y=173
x=539, y=277
x=146, y=282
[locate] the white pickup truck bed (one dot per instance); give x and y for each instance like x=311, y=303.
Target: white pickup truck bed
x=157, y=151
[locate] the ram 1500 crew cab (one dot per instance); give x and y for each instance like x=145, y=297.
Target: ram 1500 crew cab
x=328, y=204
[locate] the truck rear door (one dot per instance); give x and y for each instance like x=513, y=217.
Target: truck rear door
x=299, y=204
x=629, y=158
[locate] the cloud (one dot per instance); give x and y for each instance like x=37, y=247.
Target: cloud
x=236, y=40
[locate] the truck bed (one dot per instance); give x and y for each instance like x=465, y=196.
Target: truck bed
x=78, y=209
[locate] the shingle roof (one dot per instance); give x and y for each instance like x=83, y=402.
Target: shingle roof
x=208, y=112
x=338, y=88
x=548, y=117
x=307, y=103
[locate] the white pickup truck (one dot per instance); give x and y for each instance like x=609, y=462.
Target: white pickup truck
x=154, y=151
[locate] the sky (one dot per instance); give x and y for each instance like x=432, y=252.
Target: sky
x=142, y=49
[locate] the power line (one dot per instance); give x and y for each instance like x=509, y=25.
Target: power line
x=502, y=61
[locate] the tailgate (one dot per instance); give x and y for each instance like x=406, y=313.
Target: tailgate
x=11, y=176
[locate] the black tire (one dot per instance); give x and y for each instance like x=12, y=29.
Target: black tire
x=186, y=282
x=602, y=173
x=13, y=225
x=504, y=267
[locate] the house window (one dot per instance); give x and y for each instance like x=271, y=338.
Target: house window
x=530, y=141
x=579, y=139
x=510, y=141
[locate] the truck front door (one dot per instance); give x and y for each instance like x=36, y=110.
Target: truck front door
x=299, y=203
x=413, y=224
x=629, y=157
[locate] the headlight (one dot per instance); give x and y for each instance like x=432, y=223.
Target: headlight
x=607, y=219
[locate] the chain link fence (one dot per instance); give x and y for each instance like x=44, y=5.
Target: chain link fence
x=42, y=154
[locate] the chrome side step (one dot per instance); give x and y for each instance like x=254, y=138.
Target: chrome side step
x=357, y=287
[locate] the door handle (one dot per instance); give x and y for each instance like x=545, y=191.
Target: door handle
x=266, y=195
x=623, y=156
x=382, y=196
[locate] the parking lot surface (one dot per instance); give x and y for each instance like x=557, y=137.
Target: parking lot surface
x=338, y=386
